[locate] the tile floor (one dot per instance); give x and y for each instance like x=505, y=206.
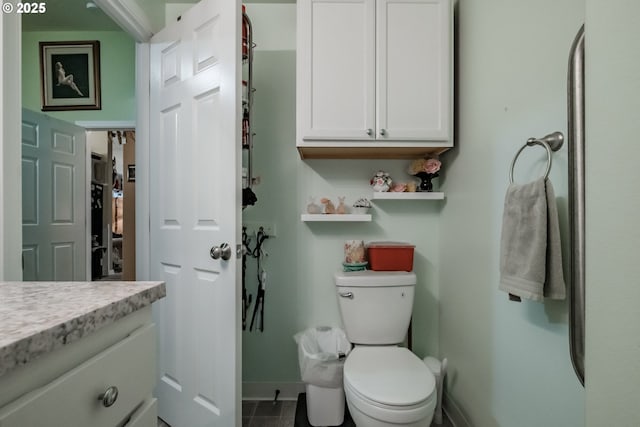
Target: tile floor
x=264, y=413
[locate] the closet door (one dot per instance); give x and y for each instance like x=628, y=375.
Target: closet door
x=413, y=69
x=336, y=60
x=55, y=241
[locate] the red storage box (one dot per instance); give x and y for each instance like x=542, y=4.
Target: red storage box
x=390, y=256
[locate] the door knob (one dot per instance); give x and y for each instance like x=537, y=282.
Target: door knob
x=223, y=251
x=383, y=132
x=370, y=132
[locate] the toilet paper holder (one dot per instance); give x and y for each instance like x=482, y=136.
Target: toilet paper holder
x=439, y=370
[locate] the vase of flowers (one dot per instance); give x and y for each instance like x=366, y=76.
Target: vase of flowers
x=425, y=170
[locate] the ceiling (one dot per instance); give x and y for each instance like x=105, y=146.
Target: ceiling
x=68, y=15
x=74, y=15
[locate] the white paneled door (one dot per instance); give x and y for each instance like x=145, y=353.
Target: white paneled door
x=54, y=194
x=195, y=206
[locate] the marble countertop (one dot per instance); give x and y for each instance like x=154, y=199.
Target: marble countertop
x=39, y=317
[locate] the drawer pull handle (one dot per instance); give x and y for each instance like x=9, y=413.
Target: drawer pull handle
x=109, y=397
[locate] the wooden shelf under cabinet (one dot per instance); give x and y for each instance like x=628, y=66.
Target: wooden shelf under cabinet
x=369, y=151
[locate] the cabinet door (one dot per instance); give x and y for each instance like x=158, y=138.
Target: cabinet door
x=413, y=69
x=72, y=399
x=335, y=75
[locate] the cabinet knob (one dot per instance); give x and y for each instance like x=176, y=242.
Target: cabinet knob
x=383, y=132
x=369, y=132
x=109, y=397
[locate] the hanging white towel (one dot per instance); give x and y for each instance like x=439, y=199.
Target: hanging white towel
x=530, y=251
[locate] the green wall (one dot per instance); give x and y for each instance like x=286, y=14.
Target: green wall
x=612, y=204
x=303, y=256
x=117, y=73
x=509, y=362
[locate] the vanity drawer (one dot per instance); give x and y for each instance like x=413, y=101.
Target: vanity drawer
x=72, y=399
x=146, y=416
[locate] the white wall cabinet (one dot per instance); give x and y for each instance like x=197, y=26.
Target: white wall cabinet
x=374, y=78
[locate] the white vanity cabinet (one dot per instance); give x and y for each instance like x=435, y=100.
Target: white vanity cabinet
x=374, y=78
x=67, y=387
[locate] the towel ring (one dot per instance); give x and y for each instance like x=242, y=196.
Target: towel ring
x=551, y=142
x=534, y=142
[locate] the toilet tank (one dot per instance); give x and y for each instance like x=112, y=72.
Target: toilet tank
x=375, y=306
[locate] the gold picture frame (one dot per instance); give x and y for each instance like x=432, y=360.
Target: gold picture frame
x=70, y=75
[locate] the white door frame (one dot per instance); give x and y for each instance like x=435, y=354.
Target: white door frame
x=143, y=250
x=10, y=149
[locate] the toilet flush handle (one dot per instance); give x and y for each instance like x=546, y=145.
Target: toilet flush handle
x=346, y=295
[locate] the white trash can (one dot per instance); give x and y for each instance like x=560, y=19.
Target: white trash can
x=321, y=355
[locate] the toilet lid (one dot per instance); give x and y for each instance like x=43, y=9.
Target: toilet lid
x=389, y=375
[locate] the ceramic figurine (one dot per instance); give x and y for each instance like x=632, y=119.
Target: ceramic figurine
x=329, y=208
x=361, y=206
x=399, y=188
x=381, y=181
x=312, y=208
x=341, y=209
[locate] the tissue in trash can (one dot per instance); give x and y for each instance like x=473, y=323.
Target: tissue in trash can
x=321, y=355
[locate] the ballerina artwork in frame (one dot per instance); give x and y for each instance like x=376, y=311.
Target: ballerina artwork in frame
x=70, y=75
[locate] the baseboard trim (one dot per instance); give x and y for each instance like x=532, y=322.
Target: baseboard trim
x=266, y=390
x=453, y=412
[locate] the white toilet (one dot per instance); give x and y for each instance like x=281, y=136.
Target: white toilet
x=385, y=385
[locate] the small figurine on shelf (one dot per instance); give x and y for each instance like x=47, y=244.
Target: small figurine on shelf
x=361, y=206
x=381, y=181
x=341, y=209
x=312, y=208
x=329, y=208
x=400, y=187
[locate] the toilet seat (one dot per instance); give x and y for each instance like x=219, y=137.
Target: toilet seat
x=389, y=383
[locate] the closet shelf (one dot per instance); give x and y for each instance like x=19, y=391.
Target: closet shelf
x=335, y=218
x=408, y=196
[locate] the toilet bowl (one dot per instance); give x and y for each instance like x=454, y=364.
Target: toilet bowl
x=385, y=385
x=388, y=386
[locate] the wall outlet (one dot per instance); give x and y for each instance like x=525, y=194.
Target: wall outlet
x=254, y=226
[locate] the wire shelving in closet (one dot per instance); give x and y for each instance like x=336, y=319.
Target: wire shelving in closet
x=248, y=180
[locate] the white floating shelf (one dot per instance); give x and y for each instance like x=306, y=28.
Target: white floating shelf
x=377, y=195
x=335, y=218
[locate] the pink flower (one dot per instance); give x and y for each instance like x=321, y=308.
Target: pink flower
x=432, y=166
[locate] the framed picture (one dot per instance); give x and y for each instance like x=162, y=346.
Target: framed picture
x=131, y=173
x=70, y=75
